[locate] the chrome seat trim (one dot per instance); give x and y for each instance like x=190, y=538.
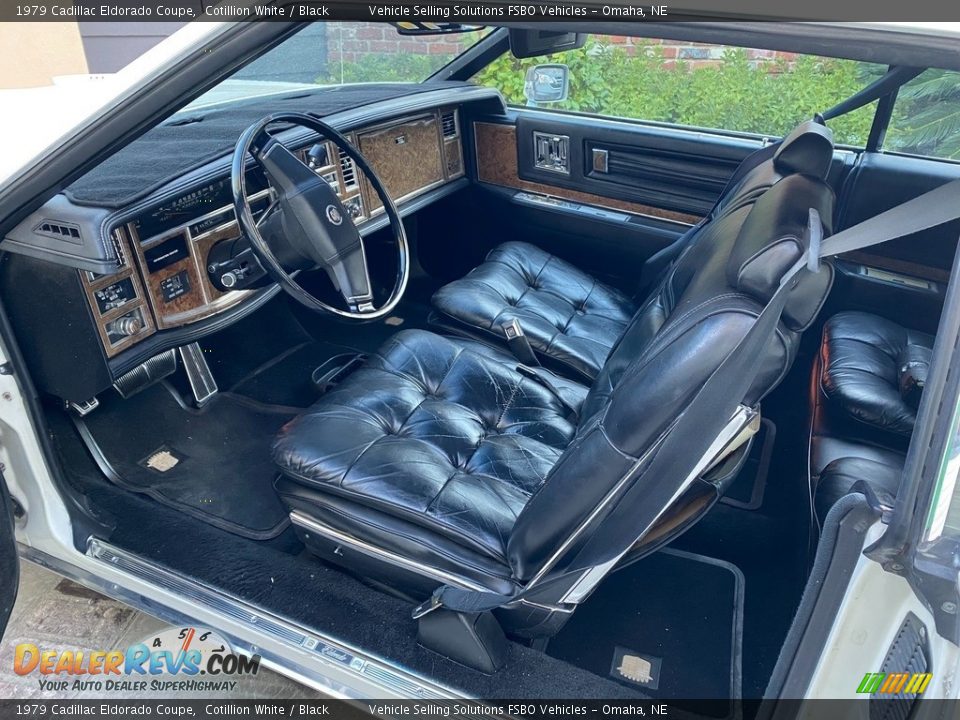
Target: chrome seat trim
x=441, y=576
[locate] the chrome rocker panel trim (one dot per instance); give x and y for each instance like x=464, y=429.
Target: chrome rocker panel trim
x=306, y=656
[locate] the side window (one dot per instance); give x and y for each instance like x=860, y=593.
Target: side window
x=926, y=116
x=718, y=87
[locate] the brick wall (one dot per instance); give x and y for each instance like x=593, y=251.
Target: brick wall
x=695, y=54
x=358, y=39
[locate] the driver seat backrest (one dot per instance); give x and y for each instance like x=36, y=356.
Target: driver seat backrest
x=703, y=307
x=805, y=150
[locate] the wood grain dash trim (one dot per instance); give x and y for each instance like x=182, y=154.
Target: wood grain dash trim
x=496, y=148
x=905, y=267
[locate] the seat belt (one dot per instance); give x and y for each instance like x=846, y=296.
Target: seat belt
x=714, y=404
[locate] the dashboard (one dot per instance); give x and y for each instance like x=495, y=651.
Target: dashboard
x=163, y=276
x=135, y=258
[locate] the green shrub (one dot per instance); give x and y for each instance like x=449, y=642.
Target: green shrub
x=927, y=117
x=764, y=97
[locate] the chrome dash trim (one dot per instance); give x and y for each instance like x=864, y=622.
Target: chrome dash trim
x=308, y=523
x=347, y=658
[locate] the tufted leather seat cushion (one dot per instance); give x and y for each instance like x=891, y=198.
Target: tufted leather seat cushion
x=568, y=316
x=839, y=477
x=864, y=361
x=439, y=432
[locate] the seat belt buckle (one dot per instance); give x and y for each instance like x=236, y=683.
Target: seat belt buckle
x=815, y=239
x=513, y=330
x=518, y=343
x=427, y=606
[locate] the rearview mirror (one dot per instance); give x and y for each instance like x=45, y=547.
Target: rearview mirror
x=434, y=28
x=546, y=84
x=537, y=43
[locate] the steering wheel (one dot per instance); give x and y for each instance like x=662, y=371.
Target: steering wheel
x=308, y=227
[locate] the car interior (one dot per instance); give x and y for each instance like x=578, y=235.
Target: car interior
x=395, y=362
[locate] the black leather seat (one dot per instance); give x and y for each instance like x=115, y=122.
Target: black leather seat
x=571, y=319
x=870, y=368
x=444, y=462
x=864, y=390
x=443, y=435
x=840, y=477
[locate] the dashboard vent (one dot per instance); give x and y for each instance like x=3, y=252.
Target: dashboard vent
x=449, y=122
x=59, y=230
x=119, y=249
x=348, y=170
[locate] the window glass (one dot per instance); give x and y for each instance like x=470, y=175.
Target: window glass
x=708, y=86
x=338, y=53
x=926, y=116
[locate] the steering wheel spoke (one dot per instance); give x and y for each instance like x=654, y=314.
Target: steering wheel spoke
x=307, y=225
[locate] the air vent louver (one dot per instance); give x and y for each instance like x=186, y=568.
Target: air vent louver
x=348, y=170
x=449, y=122
x=59, y=230
x=116, y=238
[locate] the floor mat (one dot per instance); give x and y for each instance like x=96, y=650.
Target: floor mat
x=213, y=464
x=669, y=626
x=747, y=489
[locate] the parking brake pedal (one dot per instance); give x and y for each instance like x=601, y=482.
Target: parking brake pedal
x=201, y=379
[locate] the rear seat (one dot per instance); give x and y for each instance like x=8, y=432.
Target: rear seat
x=866, y=387
x=840, y=477
x=872, y=372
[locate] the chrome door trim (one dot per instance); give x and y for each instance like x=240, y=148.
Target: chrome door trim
x=319, y=650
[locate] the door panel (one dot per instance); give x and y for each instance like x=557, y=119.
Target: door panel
x=669, y=169
x=498, y=164
x=624, y=191
x=880, y=182
x=9, y=562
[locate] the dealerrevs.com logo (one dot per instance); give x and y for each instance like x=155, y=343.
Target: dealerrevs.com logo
x=178, y=659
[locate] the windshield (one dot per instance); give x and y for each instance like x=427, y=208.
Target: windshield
x=340, y=53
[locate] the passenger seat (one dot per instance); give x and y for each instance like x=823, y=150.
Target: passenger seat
x=570, y=319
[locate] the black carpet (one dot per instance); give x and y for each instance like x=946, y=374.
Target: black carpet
x=285, y=380
x=768, y=544
x=223, y=472
x=681, y=613
x=274, y=576
x=365, y=337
